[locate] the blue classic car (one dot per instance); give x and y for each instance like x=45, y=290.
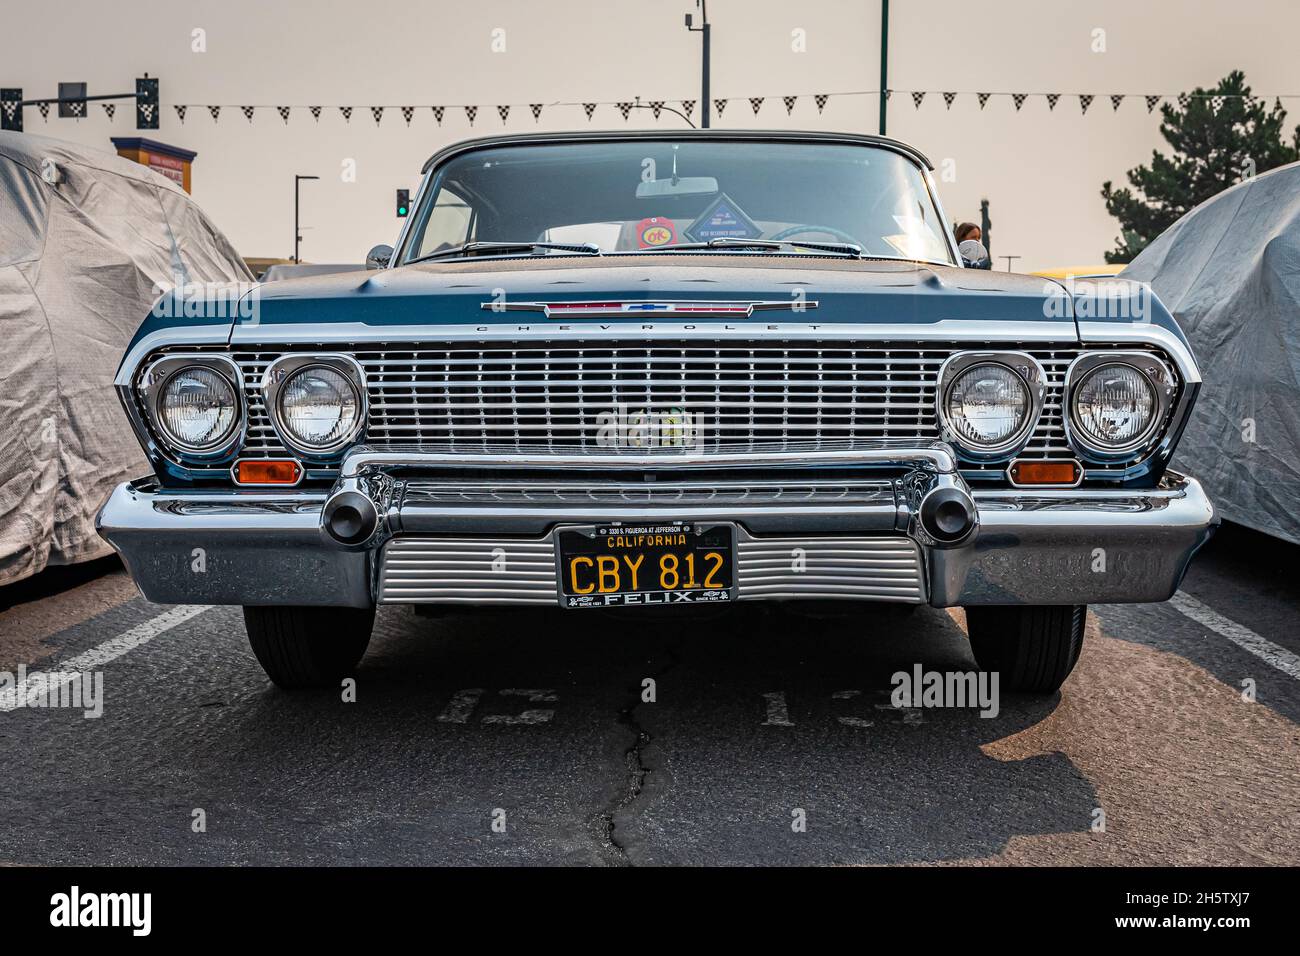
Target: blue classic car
x=647, y=371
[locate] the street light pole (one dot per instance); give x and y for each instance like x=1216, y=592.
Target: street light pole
x=297, y=233
x=703, y=31
x=884, y=61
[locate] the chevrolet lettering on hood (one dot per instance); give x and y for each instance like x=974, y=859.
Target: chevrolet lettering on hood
x=762, y=373
x=575, y=310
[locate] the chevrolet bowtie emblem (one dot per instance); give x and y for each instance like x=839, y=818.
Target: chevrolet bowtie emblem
x=694, y=308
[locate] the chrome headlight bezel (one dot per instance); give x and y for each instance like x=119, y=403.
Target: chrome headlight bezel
x=1021, y=364
x=279, y=372
x=1154, y=371
x=152, y=386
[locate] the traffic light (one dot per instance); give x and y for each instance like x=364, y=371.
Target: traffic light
x=403, y=202
x=146, y=103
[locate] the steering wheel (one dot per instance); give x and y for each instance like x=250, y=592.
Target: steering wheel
x=809, y=227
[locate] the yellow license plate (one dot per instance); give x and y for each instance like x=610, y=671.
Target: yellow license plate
x=639, y=565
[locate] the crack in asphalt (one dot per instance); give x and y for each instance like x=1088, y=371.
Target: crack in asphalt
x=637, y=768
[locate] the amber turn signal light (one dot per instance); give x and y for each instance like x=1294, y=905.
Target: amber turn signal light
x=1045, y=472
x=267, y=472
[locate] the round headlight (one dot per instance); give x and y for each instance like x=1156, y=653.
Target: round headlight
x=987, y=405
x=198, y=409
x=319, y=408
x=1114, y=406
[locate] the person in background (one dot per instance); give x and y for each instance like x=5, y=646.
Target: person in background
x=968, y=236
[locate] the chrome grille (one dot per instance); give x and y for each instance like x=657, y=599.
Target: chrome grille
x=416, y=570
x=539, y=396
x=877, y=569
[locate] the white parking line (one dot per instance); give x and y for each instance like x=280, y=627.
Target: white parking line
x=97, y=657
x=1279, y=657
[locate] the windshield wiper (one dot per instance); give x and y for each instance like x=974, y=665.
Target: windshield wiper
x=729, y=242
x=486, y=246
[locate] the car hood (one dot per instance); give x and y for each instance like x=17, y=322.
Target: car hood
x=895, y=297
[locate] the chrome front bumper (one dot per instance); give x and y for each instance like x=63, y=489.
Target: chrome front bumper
x=457, y=529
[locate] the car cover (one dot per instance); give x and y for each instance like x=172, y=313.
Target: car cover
x=87, y=241
x=1229, y=271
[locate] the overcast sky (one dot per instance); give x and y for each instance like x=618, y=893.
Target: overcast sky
x=1041, y=170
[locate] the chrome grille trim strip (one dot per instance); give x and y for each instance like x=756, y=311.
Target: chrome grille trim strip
x=874, y=569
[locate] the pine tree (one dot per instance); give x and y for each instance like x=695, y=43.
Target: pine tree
x=1213, y=149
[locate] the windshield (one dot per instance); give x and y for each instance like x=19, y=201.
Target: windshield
x=655, y=195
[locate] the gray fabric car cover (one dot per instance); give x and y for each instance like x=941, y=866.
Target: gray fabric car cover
x=1229, y=271
x=79, y=264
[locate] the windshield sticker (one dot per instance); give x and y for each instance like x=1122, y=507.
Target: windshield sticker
x=723, y=219
x=655, y=231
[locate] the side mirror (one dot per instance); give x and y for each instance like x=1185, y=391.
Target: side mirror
x=379, y=257
x=974, y=255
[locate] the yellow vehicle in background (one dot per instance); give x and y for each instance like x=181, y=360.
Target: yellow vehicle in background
x=1081, y=272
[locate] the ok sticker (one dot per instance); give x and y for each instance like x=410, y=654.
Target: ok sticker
x=655, y=231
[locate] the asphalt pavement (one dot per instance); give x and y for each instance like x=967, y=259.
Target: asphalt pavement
x=759, y=736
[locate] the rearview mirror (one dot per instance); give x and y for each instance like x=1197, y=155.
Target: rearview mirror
x=379, y=257
x=681, y=186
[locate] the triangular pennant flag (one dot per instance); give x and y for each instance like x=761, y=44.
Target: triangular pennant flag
x=1216, y=102
x=1019, y=100
x=917, y=97
x=625, y=109
x=378, y=113
x=471, y=112
x=820, y=99
x=948, y=98
x=983, y=98
x=407, y=113
x=1085, y=100
x=656, y=107
x=45, y=111
x=756, y=103
x=1115, y=100
x=146, y=109
x=888, y=94
x=284, y=113
x=347, y=113
x=1183, y=100
x=180, y=112
x=109, y=110
x=719, y=106
x=789, y=102
x=248, y=112
x=1051, y=100
x=688, y=106
x=437, y=113
x=215, y=111
x=315, y=113
x=537, y=111
x=589, y=108
x=1151, y=102
x=79, y=109
x=504, y=113
x=10, y=108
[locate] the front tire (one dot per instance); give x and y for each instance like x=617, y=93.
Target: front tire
x=308, y=646
x=1032, y=648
